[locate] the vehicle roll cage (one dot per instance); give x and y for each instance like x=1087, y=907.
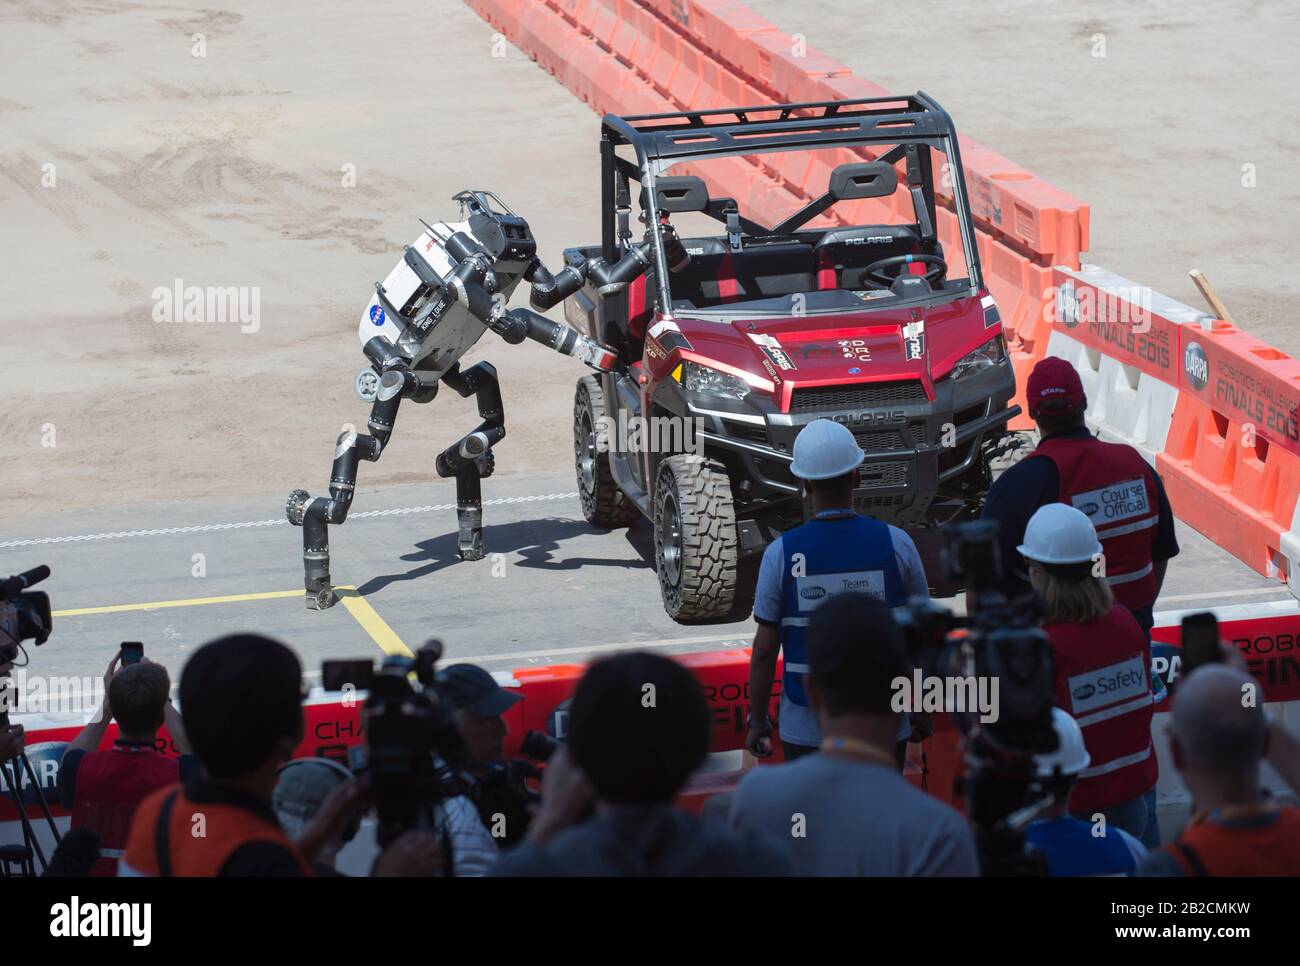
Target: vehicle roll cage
x=661, y=140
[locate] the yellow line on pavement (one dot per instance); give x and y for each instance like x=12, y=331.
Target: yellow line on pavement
x=188, y=602
x=356, y=605
x=371, y=622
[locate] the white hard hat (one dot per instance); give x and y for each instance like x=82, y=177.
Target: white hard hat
x=1070, y=756
x=1059, y=534
x=823, y=450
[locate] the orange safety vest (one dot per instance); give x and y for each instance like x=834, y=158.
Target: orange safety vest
x=164, y=842
x=1268, y=849
x=1116, y=489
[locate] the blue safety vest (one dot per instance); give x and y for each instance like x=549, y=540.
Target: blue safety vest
x=836, y=552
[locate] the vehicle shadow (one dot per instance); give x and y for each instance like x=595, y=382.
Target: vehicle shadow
x=532, y=544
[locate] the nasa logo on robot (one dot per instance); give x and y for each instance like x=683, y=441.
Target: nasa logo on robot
x=376, y=315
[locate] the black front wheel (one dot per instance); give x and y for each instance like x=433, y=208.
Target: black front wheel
x=696, y=548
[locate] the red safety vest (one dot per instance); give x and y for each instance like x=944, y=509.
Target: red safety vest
x=1116, y=488
x=110, y=786
x=1103, y=679
x=1268, y=848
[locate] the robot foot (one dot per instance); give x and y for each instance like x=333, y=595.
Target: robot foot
x=470, y=546
x=469, y=520
x=320, y=599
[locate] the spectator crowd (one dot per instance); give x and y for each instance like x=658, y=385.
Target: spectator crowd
x=234, y=802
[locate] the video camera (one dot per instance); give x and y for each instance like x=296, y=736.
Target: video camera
x=999, y=639
x=24, y=614
x=414, y=750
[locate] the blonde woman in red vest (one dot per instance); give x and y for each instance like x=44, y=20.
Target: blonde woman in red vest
x=1103, y=666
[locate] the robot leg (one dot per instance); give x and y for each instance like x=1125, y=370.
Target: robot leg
x=470, y=459
x=315, y=516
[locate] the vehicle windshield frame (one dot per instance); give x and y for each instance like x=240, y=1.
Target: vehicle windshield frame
x=661, y=141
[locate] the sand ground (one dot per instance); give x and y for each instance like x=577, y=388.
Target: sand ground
x=230, y=169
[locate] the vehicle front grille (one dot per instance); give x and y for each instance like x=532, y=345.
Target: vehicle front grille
x=879, y=442
x=859, y=396
x=878, y=502
x=883, y=475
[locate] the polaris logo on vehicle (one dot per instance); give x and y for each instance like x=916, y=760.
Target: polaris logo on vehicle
x=1197, y=366
x=773, y=350
x=887, y=416
x=869, y=240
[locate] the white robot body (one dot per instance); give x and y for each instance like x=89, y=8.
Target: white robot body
x=451, y=335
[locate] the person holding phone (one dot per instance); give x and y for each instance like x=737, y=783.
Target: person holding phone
x=102, y=788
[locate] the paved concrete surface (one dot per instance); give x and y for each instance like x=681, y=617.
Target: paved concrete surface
x=551, y=590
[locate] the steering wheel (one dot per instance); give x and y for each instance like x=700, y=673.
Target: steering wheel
x=935, y=273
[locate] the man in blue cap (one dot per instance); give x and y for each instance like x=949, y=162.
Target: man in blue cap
x=478, y=703
x=836, y=551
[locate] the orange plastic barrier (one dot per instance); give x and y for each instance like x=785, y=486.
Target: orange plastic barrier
x=646, y=56
x=1231, y=463
x=1009, y=202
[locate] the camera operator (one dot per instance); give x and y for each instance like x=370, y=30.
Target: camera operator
x=639, y=727
x=1102, y=663
x=1218, y=738
x=860, y=816
x=241, y=700
x=102, y=789
x=11, y=736
x=11, y=741
x=477, y=704
x=1070, y=845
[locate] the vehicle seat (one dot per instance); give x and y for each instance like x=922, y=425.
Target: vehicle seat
x=718, y=275
x=842, y=253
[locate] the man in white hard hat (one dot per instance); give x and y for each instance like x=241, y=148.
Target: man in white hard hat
x=836, y=551
x=1072, y=846
x=1102, y=664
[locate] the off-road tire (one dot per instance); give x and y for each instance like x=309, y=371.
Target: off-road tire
x=1009, y=450
x=697, y=560
x=603, y=503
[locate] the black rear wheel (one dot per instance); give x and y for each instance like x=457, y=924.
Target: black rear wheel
x=603, y=503
x=696, y=548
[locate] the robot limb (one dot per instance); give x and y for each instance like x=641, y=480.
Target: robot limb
x=315, y=516
x=470, y=459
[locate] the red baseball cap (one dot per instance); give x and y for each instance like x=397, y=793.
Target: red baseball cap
x=1054, y=384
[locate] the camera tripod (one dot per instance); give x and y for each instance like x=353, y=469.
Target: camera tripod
x=23, y=855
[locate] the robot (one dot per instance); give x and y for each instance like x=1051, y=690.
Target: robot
x=450, y=287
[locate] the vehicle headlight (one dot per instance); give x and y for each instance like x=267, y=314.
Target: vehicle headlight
x=711, y=382
x=991, y=353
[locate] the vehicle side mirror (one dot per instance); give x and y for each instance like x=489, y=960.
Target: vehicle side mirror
x=681, y=193
x=868, y=179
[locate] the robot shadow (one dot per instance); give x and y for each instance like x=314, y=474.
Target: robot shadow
x=534, y=544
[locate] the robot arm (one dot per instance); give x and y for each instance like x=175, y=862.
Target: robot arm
x=473, y=283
